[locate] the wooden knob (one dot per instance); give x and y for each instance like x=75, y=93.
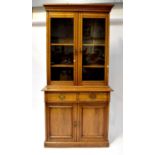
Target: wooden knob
x=92, y=96
x=61, y=97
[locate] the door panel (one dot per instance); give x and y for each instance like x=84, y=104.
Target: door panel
x=62, y=45
x=93, y=58
x=60, y=120
x=95, y=118
x=93, y=121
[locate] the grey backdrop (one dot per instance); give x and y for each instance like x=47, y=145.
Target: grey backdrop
x=37, y=3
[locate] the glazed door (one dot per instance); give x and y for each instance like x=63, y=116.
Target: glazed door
x=93, y=121
x=93, y=46
x=62, y=46
x=61, y=122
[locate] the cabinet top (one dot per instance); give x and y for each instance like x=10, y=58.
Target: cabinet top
x=50, y=88
x=106, y=8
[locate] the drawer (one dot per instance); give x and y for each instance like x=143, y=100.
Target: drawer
x=59, y=97
x=93, y=97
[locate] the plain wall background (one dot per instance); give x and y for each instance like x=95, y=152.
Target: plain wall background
x=115, y=74
x=36, y=3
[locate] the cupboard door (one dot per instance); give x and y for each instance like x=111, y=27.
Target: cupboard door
x=93, y=121
x=93, y=45
x=61, y=121
x=62, y=48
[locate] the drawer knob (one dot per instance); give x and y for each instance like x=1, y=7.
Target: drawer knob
x=75, y=124
x=61, y=97
x=92, y=96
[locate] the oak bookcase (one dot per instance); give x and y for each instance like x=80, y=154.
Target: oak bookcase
x=77, y=95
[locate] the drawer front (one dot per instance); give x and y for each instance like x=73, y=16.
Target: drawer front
x=59, y=97
x=93, y=97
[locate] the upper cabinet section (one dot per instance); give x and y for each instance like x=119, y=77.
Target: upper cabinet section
x=77, y=44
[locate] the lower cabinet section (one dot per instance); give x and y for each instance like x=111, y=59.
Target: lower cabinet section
x=71, y=124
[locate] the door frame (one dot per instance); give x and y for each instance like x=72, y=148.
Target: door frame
x=50, y=15
x=80, y=42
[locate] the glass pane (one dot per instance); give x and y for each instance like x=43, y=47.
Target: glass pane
x=61, y=30
x=61, y=74
x=62, y=49
x=93, y=49
x=93, y=55
x=61, y=55
x=93, y=74
x=93, y=30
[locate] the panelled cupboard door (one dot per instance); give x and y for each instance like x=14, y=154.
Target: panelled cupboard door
x=61, y=48
x=93, y=48
x=60, y=122
x=93, y=122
